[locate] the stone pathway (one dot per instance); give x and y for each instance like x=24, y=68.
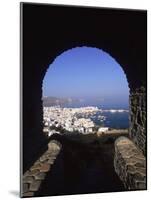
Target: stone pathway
x=33, y=178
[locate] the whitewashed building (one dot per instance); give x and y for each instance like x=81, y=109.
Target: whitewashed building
x=103, y=129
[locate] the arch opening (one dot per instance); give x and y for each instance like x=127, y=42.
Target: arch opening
x=87, y=77
x=86, y=101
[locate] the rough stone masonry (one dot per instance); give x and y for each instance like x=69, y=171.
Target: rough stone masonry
x=130, y=154
x=138, y=118
x=130, y=164
x=33, y=178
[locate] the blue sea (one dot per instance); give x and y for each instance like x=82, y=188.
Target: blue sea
x=118, y=120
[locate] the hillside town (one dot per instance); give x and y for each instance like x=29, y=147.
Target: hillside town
x=68, y=119
x=59, y=120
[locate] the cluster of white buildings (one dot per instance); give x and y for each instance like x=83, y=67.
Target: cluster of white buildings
x=67, y=118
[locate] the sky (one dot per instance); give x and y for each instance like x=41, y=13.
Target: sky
x=89, y=74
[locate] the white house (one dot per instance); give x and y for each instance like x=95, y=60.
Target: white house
x=103, y=129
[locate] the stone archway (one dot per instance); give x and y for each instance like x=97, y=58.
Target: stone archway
x=137, y=102
x=48, y=32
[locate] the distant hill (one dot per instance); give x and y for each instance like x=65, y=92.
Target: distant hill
x=55, y=101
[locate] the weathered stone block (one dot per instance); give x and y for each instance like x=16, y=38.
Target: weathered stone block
x=45, y=167
x=35, y=167
x=130, y=164
x=35, y=185
x=33, y=172
x=40, y=176
x=28, y=179
x=54, y=145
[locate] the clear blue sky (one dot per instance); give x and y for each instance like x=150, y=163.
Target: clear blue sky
x=87, y=73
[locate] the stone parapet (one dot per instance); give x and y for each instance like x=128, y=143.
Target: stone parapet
x=130, y=164
x=33, y=178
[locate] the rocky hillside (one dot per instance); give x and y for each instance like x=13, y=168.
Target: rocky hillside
x=54, y=101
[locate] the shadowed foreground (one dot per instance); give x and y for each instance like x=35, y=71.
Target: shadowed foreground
x=82, y=168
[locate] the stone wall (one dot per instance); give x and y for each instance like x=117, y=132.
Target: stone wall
x=33, y=178
x=130, y=164
x=138, y=118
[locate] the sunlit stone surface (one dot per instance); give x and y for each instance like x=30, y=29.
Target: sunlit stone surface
x=130, y=164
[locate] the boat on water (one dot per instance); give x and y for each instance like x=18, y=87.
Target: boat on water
x=101, y=117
